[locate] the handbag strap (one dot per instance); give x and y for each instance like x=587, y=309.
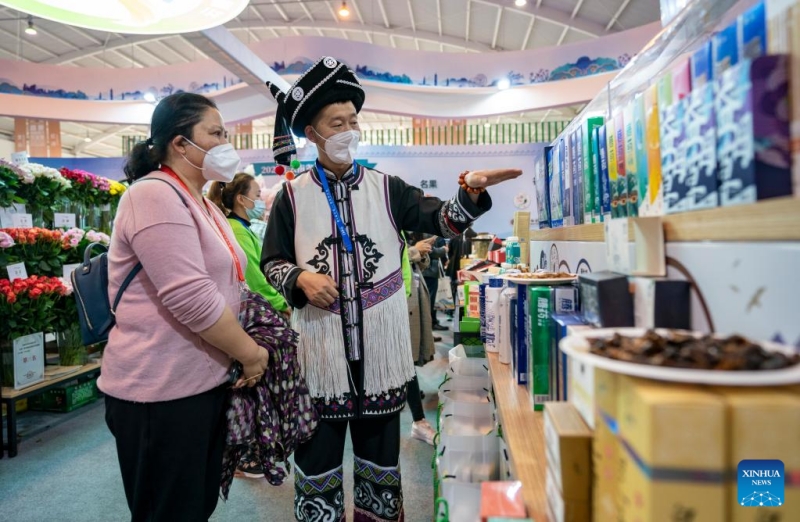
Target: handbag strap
x=136, y=269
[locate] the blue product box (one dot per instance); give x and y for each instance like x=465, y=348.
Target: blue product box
x=726, y=49
x=541, y=179
x=523, y=327
x=673, y=162
x=556, y=184
x=577, y=177
x=640, y=146
x=602, y=159
x=700, y=149
x=482, y=308
x=566, y=183
x=753, y=131
x=560, y=322
x=702, y=65
x=753, y=32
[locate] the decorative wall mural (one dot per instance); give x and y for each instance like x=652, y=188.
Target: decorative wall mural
x=294, y=55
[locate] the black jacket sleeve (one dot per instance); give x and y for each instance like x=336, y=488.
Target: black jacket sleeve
x=278, y=261
x=412, y=210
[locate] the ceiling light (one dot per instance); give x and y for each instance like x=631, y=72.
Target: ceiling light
x=520, y=3
x=503, y=84
x=87, y=139
x=149, y=97
x=31, y=30
x=344, y=12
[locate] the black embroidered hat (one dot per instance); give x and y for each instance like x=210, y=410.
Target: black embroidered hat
x=327, y=81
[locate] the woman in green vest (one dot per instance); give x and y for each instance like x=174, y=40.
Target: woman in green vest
x=240, y=200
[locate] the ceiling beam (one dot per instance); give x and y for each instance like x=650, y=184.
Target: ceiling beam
x=355, y=26
x=528, y=34
x=280, y=10
x=151, y=54
x=469, y=14
x=411, y=15
x=439, y=15
x=553, y=15
x=563, y=35
x=617, y=14
x=497, y=27
x=97, y=49
x=26, y=42
x=577, y=8
x=99, y=138
x=307, y=11
x=132, y=59
x=358, y=11
x=333, y=11
x=383, y=13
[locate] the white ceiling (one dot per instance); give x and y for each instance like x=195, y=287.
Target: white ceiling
x=429, y=25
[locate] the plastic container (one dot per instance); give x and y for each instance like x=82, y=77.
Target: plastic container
x=512, y=250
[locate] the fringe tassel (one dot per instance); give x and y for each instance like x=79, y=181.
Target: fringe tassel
x=387, y=340
x=321, y=352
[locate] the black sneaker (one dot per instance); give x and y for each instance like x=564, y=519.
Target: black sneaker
x=250, y=472
x=440, y=327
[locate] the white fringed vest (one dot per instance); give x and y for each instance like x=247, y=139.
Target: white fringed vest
x=377, y=245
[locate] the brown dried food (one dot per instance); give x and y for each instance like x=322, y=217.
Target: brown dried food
x=682, y=350
x=545, y=275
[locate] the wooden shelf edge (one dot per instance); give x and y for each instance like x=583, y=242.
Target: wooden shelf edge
x=523, y=432
x=11, y=393
x=770, y=220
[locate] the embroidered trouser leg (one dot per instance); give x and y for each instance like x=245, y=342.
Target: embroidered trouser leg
x=378, y=495
x=318, y=493
x=318, y=471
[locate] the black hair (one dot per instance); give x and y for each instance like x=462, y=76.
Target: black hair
x=175, y=115
x=224, y=194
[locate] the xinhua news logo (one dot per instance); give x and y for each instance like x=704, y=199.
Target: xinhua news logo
x=760, y=483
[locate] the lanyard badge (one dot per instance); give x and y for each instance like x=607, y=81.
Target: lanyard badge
x=323, y=179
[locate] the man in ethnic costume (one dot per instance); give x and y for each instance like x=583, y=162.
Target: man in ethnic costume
x=333, y=248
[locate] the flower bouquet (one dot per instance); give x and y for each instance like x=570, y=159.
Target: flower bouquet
x=26, y=306
x=43, y=251
x=71, y=350
x=44, y=194
x=76, y=240
x=91, y=193
x=11, y=177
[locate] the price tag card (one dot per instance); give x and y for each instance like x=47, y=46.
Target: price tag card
x=19, y=158
x=68, y=269
x=618, y=255
x=63, y=220
x=17, y=271
x=21, y=220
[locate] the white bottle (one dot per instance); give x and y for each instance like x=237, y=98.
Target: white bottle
x=503, y=337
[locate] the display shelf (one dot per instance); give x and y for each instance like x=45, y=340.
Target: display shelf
x=10, y=396
x=523, y=431
x=771, y=220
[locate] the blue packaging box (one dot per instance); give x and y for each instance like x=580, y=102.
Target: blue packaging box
x=725, y=49
x=566, y=183
x=673, y=162
x=753, y=32
x=604, y=191
x=541, y=179
x=577, y=177
x=556, y=190
x=562, y=320
x=523, y=327
x=700, y=149
x=702, y=65
x=753, y=131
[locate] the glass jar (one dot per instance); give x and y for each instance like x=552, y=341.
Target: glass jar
x=71, y=351
x=512, y=250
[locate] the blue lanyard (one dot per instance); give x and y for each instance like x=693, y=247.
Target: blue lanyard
x=323, y=179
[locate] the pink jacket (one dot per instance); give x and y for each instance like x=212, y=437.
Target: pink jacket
x=188, y=278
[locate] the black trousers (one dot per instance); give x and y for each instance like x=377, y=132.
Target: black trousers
x=170, y=455
x=433, y=286
x=318, y=474
x=414, y=400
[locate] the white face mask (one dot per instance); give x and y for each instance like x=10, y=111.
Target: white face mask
x=258, y=208
x=341, y=148
x=219, y=164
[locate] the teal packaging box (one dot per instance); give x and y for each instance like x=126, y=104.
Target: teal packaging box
x=591, y=190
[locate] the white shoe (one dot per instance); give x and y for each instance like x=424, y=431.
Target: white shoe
x=423, y=431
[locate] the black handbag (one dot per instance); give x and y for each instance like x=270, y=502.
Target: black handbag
x=96, y=315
